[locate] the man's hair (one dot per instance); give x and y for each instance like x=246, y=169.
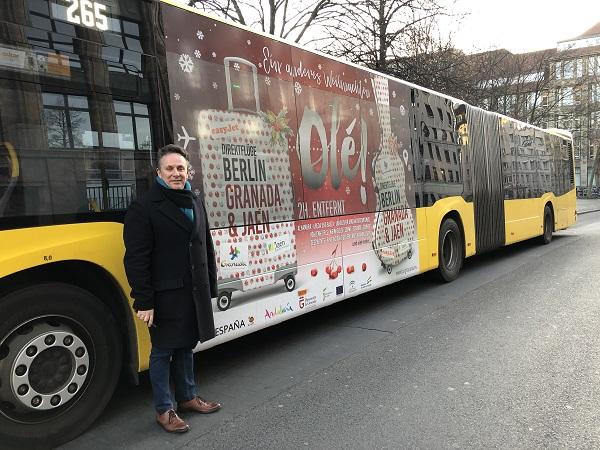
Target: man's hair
x=170, y=148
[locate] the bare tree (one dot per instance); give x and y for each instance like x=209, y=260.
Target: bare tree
x=375, y=33
x=518, y=85
x=287, y=19
x=431, y=61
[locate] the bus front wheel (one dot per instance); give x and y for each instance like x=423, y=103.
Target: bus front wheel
x=60, y=359
x=450, y=250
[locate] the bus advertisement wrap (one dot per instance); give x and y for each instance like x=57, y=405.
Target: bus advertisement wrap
x=304, y=165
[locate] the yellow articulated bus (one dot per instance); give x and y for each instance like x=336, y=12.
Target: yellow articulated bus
x=322, y=180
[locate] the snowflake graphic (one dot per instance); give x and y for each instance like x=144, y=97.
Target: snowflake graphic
x=197, y=54
x=249, y=42
x=371, y=112
x=236, y=66
x=191, y=173
x=320, y=67
x=260, y=65
x=402, y=110
x=200, y=34
x=177, y=96
x=297, y=88
x=197, y=192
x=347, y=190
x=268, y=81
x=394, y=94
x=214, y=55
x=186, y=63
x=215, y=85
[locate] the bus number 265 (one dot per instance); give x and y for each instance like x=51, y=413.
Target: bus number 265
x=87, y=13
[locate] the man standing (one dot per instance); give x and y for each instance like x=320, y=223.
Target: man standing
x=170, y=265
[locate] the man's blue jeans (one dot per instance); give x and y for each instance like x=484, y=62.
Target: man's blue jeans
x=183, y=376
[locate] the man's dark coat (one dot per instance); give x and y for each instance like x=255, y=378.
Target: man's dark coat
x=170, y=265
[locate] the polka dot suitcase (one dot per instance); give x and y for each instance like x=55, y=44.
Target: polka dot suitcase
x=248, y=193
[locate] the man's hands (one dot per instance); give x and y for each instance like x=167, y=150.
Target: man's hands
x=147, y=316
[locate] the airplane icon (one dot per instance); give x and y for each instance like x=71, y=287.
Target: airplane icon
x=185, y=137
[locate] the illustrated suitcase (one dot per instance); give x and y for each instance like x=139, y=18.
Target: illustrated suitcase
x=247, y=180
x=394, y=227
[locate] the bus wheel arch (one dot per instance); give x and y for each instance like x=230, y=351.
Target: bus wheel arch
x=451, y=246
x=57, y=363
x=95, y=280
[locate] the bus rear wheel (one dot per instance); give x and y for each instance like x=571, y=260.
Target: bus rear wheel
x=546, y=237
x=60, y=359
x=450, y=250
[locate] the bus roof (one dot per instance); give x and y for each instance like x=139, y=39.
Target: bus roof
x=561, y=133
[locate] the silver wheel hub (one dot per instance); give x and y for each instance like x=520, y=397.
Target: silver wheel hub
x=49, y=367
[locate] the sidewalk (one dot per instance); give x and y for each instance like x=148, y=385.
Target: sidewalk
x=585, y=206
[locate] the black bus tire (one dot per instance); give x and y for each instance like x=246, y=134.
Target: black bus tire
x=60, y=344
x=450, y=250
x=546, y=236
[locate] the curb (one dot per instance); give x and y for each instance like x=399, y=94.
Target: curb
x=586, y=212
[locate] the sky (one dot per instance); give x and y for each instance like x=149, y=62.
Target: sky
x=521, y=25
x=517, y=25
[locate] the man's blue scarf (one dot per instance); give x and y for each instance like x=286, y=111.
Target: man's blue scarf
x=188, y=187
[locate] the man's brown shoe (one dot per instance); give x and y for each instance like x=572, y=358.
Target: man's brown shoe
x=198, y=404
x=171, y=422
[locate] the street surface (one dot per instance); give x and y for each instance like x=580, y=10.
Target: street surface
x=507, y=356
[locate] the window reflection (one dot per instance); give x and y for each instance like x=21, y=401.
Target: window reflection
x=87, y=166
x=78, y=149
x=122, y=46
x=67, y=120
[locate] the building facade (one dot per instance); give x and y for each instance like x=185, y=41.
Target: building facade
x=575, y=85
x=553, y=88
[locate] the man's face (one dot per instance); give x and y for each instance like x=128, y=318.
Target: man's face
x=173, y=170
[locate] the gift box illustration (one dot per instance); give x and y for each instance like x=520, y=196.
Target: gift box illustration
x=248, y=187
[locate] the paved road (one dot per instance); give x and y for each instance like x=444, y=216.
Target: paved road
x=506, y=357
x=585, y=205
